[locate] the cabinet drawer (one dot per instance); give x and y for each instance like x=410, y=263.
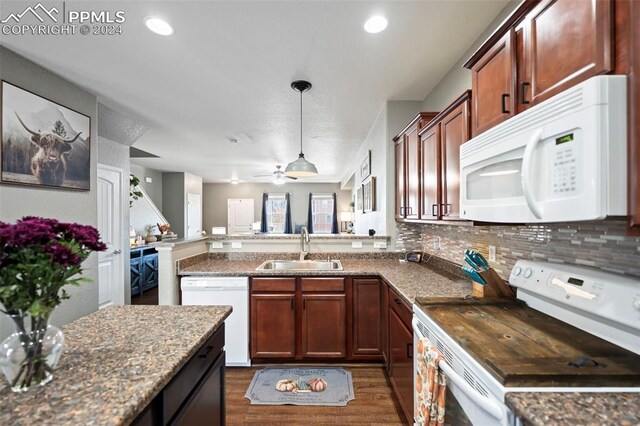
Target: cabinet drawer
x=322, y=284
x=273, y=284
x=400, y=307
x=177, y=391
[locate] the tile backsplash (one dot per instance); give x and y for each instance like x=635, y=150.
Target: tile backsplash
x=599, y=244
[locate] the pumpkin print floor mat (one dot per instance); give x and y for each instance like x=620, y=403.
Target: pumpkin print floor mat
x=329, y=386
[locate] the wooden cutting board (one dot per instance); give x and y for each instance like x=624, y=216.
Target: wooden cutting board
x=520, y=346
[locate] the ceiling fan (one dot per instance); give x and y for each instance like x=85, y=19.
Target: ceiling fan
x=277, y=177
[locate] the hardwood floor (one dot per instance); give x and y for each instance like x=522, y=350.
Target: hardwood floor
x=150, y=297
x=375, y=403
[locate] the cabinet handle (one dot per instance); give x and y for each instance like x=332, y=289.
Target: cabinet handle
x=433, y=210
x=410, y=350
x=304, y=304
x=292, y=306
x=446, y=209
x=398, y=301
x=205, y=353
x=401, y=211
x=504, y=108
x=410, y=211
x=523, y=90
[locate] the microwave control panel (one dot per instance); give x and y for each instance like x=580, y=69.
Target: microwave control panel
x=565, y=157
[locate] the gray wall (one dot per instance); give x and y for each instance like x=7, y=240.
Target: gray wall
x=72, y=206
x=153, y=189
x=458, y=79
x=111, y=153
x=175, y=187
x=216, y=195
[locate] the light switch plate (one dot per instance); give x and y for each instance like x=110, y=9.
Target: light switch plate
x=356, y=244
x=492, y=253
x=148, y=179
x=236, y=244
x=380, y=244
x=216, y=244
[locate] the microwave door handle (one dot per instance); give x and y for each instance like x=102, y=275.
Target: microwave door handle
x=487, y=405
x=526, y=170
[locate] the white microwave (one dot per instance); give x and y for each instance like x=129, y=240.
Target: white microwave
x=562, y=160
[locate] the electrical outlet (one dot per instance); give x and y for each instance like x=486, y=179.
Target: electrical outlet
x=380, y=244
x=492, y=253
x=356, y=244
x=236, y=244
x=436, y=243
x=216, y=245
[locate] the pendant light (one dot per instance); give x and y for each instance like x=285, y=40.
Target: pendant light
x=301, y=167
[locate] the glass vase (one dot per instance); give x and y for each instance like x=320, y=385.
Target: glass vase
x=29, y=355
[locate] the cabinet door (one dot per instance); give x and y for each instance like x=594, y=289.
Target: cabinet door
x=273, y=327
x=324, y=325
x=136, y=275
x=454, y=129
x=430, y=173
x=492, y=82
x=568, y=42
x=634, y=121
x=149, y=271
x=385, y=324
x=206, y=406
x=413, y=173
x=401, y=363
x=401, y=177
x=367, y=316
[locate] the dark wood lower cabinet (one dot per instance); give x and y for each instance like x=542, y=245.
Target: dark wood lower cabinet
x=324, y=325
x=401, y=362
x=367, y=316
x=195, y=395
x=273, y=325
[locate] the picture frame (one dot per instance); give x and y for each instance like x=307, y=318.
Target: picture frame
x=365, y=166
x=359, y=203
x=43, y=143
x=369, y=195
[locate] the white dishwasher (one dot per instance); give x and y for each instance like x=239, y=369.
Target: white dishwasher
x=232, y=291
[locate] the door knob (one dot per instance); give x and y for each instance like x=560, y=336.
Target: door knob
x=117, y=251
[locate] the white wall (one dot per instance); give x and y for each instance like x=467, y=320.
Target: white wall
x=216, y=195
x=64, y=205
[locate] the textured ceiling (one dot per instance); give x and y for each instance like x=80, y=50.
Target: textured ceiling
x=226, y=71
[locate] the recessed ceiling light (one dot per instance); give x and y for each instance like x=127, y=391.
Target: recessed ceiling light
x=158, y=26
x=375, y=24
x=234, y=181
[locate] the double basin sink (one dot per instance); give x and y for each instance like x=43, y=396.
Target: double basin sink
x=300, y=265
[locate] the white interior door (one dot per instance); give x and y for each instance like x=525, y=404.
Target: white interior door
x=194, y=215
x=240, y=216
x=110, y=218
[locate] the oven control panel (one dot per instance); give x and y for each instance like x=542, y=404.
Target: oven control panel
x=612, y=296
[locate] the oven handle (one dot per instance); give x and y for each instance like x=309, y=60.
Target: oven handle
x=480, y=400
x=526, y=166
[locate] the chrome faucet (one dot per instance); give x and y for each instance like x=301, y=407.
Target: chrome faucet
x=304, y=240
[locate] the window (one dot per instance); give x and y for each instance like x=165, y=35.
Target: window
x=276, y=213
x=322, y=213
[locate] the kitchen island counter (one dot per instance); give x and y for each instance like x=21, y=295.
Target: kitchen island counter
x=115, y=361
x=575, y=408
x=409, y=279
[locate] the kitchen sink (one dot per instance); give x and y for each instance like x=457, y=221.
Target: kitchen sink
x=300, y=265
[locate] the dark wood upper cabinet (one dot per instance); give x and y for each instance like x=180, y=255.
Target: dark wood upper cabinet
x=492, y=84
x=401, y=176
x=324, y=324
x=367, y=316
x=633, y=8
x=440, y=144
x=567, y=42
x=523, y=70
x=430, y=173
x=407, y=162
x=454, y=131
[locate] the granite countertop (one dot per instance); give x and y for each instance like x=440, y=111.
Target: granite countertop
x=554, y=408
x=115, y=361
x=409, y=279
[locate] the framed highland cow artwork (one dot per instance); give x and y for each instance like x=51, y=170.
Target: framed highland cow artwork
x=43, y=143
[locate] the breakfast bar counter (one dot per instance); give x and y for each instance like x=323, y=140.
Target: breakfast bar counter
x=114, y=363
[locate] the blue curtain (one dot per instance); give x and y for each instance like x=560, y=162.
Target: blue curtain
x=263, y=224
x=287, y=215
x=334, y=226
x=310, y=215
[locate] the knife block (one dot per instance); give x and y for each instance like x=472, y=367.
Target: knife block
x=496, y=287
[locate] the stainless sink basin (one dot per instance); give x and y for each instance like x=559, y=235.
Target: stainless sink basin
x=300, y=265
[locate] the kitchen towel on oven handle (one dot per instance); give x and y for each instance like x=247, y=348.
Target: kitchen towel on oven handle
x=431, y=385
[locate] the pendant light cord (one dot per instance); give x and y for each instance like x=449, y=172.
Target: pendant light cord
x=301, y=123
